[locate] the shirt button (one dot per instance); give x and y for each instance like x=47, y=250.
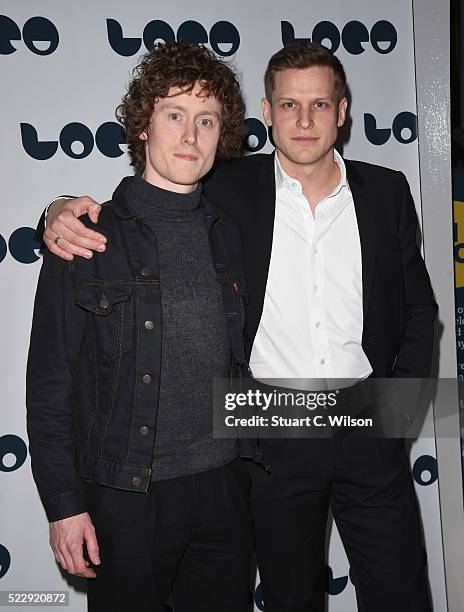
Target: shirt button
x=315, y=288
x=145, y=272
x=315, y=251
x=146, y=378
x=144, y=430
x=136, y=481
x=322, y=361
x=318, y=323
x=148, y=324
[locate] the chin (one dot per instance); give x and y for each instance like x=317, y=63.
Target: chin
x=186, y=179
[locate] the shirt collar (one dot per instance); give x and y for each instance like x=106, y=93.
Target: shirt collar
x=283, y=180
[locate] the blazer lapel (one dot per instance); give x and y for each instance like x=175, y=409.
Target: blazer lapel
x=367, y=227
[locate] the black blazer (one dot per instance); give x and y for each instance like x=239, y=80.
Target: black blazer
x=398, y=305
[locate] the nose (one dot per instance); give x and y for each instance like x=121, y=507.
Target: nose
x=305, y=119
x=190, y=133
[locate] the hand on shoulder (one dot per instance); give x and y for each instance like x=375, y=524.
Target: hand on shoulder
x=65, y=235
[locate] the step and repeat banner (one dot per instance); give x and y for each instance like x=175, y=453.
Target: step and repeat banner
x=64, y=67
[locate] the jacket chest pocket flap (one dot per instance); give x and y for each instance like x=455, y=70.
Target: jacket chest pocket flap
x=109, y=308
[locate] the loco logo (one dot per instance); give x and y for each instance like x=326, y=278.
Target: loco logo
x=382, y=37
x=257, y=135
x=404, y=129
x=15, y=447
x=108, y=138
x=5, y=560
x=223, y=38
x=39, y=34
x=335, y=585
x=425, y=465
x=22, y=247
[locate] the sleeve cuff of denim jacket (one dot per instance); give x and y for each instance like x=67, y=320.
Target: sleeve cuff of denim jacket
x=64, y=505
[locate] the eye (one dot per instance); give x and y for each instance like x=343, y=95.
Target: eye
x=289, y=105
x=321, y=104
x=206, y=122
x=174, y=116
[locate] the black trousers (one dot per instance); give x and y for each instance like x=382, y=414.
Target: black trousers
x=188, y=536
x=367, y=484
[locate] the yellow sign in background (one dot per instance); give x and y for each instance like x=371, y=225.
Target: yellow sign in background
x=458, y=238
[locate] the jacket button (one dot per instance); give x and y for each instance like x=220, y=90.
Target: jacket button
x=146, y=378
x=104, y=303
x=145, y=272
x=148, y=324
x=136, y=481
x=144, y=430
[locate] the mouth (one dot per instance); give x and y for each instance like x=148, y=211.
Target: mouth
x=305, y=139
x=186, y=156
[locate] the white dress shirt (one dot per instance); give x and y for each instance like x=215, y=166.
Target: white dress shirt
x=312, y=321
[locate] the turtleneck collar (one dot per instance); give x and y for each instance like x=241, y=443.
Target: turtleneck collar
x=151, y=202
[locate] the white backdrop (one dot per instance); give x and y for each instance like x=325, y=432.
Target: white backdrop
x=64, y=67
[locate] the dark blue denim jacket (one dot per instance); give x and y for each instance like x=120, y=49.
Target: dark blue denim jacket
x=95, y=356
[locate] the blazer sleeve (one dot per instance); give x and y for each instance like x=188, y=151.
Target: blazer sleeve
x=414, y=356
x=57, y=331
x=40, y=229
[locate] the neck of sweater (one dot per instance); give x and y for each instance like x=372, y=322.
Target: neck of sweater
x=151, y=202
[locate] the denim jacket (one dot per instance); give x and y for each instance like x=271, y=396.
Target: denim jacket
x=95, y=356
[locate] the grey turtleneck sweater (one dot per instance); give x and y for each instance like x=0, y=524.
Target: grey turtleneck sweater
x=195, y=347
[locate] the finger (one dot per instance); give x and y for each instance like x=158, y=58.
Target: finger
x=86, y=574
x=80, y=568
x=65, y=221
x=69, y=248
x=94, y=213
x=67, y=557
x=92, y=545
x=80, y=206
x=54, y=248
x=75, y=239
x=63, y=246
x=60, y=559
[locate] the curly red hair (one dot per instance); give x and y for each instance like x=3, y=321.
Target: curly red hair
x=181, y=64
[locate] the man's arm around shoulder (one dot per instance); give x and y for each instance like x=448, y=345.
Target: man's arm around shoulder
x=62, y=232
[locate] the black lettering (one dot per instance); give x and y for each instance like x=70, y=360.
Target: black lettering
x=76, y=132
x=120, y=44
x=157, y=30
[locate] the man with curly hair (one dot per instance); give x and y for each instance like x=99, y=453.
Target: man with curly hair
x=124, y=348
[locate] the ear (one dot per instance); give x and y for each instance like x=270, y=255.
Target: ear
x=143, y=135
x=342, y=106
x=267, y=111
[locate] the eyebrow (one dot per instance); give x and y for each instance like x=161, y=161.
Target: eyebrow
x=179, y=107
x=290, y=99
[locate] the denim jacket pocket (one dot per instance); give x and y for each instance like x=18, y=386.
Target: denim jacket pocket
x=109, y=308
